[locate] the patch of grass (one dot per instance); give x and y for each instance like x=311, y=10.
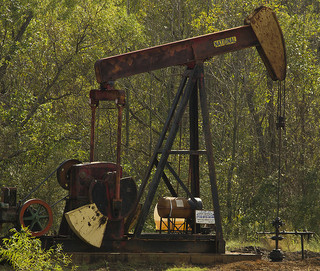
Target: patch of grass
x=5, y=267
x=99, y=266
x=313, y=244
x=187, y=269
x=235, y=245
x=290, y=243
x=123, y=266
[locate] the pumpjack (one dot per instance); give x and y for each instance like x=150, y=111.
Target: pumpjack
x=107, y=212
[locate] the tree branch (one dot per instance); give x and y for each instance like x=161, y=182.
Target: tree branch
x=13, y=48
x=142, y=122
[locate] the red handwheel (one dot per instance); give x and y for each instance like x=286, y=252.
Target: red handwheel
x=36, y=214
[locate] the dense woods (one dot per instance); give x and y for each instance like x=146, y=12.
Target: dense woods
x=47, y=52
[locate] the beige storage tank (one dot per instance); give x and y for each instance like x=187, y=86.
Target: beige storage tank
x=175, y=207
x=177, y=223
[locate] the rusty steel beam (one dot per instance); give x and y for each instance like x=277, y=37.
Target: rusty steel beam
x=184, y=52
x=194, y=142
x=97, y=95
x=262, y=30
x=211, y=163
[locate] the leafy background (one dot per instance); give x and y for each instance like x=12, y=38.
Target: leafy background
x=47, y=52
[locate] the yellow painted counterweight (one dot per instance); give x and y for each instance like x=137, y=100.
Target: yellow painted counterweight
x=88, y=223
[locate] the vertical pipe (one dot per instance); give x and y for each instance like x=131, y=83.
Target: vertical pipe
x=277, y=236
x=128, y=119
x=117, y=192
x=93, y=119
x=302, y=246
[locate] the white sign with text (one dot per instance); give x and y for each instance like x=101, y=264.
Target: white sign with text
x=205, y=217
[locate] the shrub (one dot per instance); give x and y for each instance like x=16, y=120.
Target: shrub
x=24, y=252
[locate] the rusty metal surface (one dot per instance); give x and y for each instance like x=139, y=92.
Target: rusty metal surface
x=63, y=173
x=96, y=183
x=184, y=52
x=97, y=95
x=8, y=214
x=101, y=193
x=8, y=205
x=92, y=135
x=167, y=243
x=263, y=31
x=81, y=177
x=163, y=258
x=107, y=94
x=9, y=195
x=271, y=42
x=37, y=215
x=118, y=162
x=211, y=163
x=176, y=120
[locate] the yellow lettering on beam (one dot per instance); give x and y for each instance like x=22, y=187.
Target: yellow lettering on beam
x=224, y=42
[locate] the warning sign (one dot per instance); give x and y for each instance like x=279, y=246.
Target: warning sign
x=205, y=217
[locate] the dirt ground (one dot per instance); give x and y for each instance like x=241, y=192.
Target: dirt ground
x=309, y=264
x=292, y=262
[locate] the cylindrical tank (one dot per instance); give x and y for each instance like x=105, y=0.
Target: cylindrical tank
x=175, y=207
x=178, y=222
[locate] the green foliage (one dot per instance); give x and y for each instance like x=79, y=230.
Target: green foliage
x=47, y=52
x=24, y=252
x=45, y=78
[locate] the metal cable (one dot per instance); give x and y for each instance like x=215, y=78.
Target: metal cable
x=37, y=187
x=280, y=126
